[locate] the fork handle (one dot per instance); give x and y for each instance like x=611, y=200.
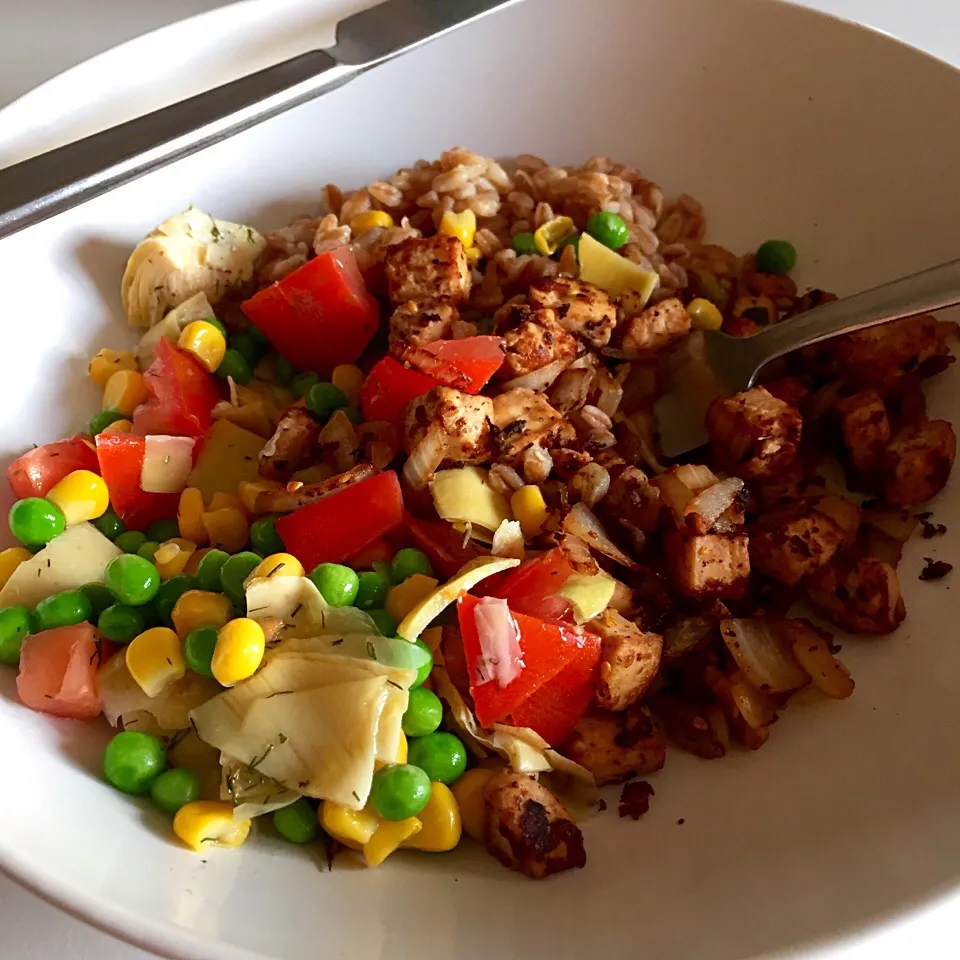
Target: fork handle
x=922, y=292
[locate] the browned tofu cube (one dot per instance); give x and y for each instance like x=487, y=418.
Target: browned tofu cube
x=753, y=434
x=533, y=339
x=865, y=428
x=582, y=309
x=461, y=420
x=420, y=322
x=617, y=746
x=918, y=462
x=657, y=327
x=790, y=544
x=864, y=598
x=426, y=268
x=628, y=663
x=711, y=565
x=520, y=419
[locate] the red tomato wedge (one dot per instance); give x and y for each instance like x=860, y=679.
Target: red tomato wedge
x=182, y=395
x=441, y=543
x=477, y=358
x=389, y=387
x=121, y=459
x=532, y=587
x=547, y=648
x=343, y=523
x=39, y=470
x=58, y=672
x=319, y=316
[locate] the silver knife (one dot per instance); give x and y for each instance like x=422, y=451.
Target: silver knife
x=43, y=186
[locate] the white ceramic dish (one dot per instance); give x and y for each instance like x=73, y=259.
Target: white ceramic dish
x=784, y=123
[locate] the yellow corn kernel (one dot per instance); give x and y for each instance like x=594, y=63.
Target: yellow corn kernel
x=348, y=379
x=200, y=608
x=193, y=564
x=124, y=392
x=432, y=637
x=353, y=828
x=249, y=490
x=463, y=226
x=205, y=342
x=81, y=495
x=468, y=792
x=529, y=508
x=440, y=822
x=155, y=660
x=402, y=749
x=107, y=362
x=277, y=565
x=390, y=836
x=552, y=234
x=118, y=426
x=402, y=598
x=10, y=559
x=369, y=220
x=209, y=823
x=474, y=256
x=222, y=499
x=227, y=528
x=704, y=315
x=190, y=516
x=172, y=557
x=239, y=651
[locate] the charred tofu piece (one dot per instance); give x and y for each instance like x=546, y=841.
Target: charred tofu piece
x=291, y=446
x=617, y=746
x=629, y=660
x=519, y=419
x=420, y=322
x=753, y=434
x=528, y=829
x=582, y=309
x=532, y=339
x=426, y=268
x=633, y=501
x=657, y=327
x=710, y=565
x=463, y=421
x=917, y=464
x=865, y=428
x=864, y=598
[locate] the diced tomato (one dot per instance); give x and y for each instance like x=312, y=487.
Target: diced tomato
x=546, y=648
x=121, y=459
x=532, y=587
x=478, y=358
x=182, y=395
x=343, y=523
x=58, y=672
x=441, y=543
x=389, y=387
x=39, y=470
x=319, y=316
x=379, y=551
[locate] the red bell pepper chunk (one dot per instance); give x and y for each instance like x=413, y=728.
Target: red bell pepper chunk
x=441, y=543
x=182, y=395
x=341, y=524
x=121, y=461
x=378, y=551
x=39, y=470
x=389, y=387
x=547, y=648
x=478, y=358
x=319, y=316
x=532, y=587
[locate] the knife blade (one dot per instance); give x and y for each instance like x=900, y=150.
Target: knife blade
x=43, y=186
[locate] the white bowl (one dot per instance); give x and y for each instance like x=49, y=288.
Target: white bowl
x=784, y=123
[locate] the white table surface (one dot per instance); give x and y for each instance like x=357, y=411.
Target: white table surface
x=42, y=38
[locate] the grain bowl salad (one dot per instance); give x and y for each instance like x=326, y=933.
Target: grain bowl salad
x=372, y=540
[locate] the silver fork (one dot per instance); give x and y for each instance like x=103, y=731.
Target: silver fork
x=711, y=364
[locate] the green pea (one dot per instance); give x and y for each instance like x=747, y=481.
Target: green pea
x=214, y=322
x=423, y=671
x=296, y=822
x=175, y=788
x=283, y=371
x=572, y=241
x=384, y=622
x=409, y=561
x=609, y=228
x=170, y=592
x=133, y=760
x=324, y=399
x=161, y=530
x=36, y=520
x=234, y=365
x=131, y=579
x=148, y=550
x=372, y=590
x=441, y=755
x=151, y=618
x=354, y=414
x=264, y=537
x=209, y=569
x=337, y=584
x=247, y=347
x=399, y=791
x=100, y=421
x=302, y=382
x=776, y=256
x=130, y=541
x=99, y=596
x=120, y=623
x=109, y=524
x=234, y=571
x=385, y=570
x=14, y=627
x=424, y=713
x=62, y=610
x=525, y=243
x=198, y=650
